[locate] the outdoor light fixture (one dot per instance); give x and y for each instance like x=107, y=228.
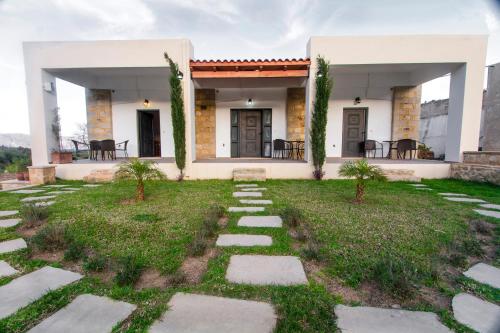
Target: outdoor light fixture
x=357, y=100
x=147, y=103
x=319, y=74
x=250, y=101
x=180, y=75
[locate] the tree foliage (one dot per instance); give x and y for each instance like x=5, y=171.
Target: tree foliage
x=178, y=120
x=324, y=85
x=140, y=171
x=361, y=171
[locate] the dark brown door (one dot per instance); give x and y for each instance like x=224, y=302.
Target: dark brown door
x=353, y=128
x=251, y=134
x=149, y=133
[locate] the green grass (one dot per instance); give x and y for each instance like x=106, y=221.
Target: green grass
x=397, y=222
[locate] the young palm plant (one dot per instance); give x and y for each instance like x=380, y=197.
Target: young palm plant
x=362, y=172
x=140, y=171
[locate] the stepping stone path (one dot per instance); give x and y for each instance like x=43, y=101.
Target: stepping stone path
x=243, y=240
x=247, y=185
x=489, y=213
x=91, y=185
x=4, y=213
x=44, y=203
x=60, y=192
x=254, y=189
x=448, y=194
x=9, y=223
x=246, y=209
x=266, y=270
x=491, y=206
x=71, y=188
x=256, y=202
x=464, y=199
x=418, y=185
x=87, y=313
x=6, y=269
x=27, y=191
x=361, y=319
x=45, y=197
x=261, y=221
x=22, y=291
x=12, y=245
x=190, y=313
x=424, y=188
x=485, y=274
x=481, y=316
x=246, y=194
x=55, y=186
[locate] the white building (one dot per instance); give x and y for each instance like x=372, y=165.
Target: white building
x=234, y=109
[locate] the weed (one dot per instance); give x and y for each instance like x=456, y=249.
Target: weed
x=52, y=237
x=31, y=213
x=472, y=247
x=312, y=250
x=217, y=210
x=395, y=275
x=128, y=271
x=458, y=260
x=75, y=251
x=96, y=263
x=481, y=227
x=176, y=279
x=198, y=246
x=292, y=217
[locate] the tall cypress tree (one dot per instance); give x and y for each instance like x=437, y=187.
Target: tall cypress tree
x=324, y=85
x=178, y=120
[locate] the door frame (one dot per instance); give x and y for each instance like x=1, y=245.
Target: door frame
x=235, y=144
x=138, y=127
x=365, y=109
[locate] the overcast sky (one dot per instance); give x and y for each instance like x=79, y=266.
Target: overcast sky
x=220, y=29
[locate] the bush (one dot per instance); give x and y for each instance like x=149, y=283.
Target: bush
x=198, y=246
x=128, y=271
x=472, y=247
x=482, y=227
x=292, y=217
x=95, y=263
x=75, y=251
x=217, y=210
x=52, y=237
x=31, y=214
x=458, y=260
x=176, y=279
x=395, y=275
x=312, y=250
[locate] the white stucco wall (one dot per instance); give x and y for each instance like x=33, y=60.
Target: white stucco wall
x=263, y=98
x=378, y=125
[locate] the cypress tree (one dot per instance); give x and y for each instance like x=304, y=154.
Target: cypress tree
x=178, y=120
x=324, y=85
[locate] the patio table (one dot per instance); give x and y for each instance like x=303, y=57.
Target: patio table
x=295, y=147
x=391, y=147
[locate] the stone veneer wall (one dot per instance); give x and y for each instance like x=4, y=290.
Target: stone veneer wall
x=406, y=112
x=99, y=114
x=295, y=113
x=205, y=123
x=478, y=166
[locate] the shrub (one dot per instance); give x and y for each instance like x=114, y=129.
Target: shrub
x=217, y=210
x=198, y=246
x=75, y=251
x=312, y=250
x=128, y=271
x=31, y=214
x=292, y=217
x=139, y=171
x=52, y=237
x=458, y=260
x=472, y=247
x=95, y=263
x=482, y=227
x=395, y=275
x=361, y=171
x=176, y=279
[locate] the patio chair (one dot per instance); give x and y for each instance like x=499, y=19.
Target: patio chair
x=79, y=150
x=94, y=148
x=373, y=146
x=300, y=150
x=122, y=146
x=283, y=148
x=406, y=145
x=108, y=147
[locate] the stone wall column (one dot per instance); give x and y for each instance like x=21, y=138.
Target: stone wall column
x=205, y=123
x=99, y=114
x=406, y=113
x=295, y=113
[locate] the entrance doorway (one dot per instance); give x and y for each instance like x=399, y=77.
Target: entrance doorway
x=251, y=133
x=353, y=131
x=148, y=123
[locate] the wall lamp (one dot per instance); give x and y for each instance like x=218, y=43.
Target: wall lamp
x=357, y=100
x=250, y=101
x=146, y=103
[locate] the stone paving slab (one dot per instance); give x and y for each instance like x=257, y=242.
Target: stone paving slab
x=55, y=186
x=6, y=269
x=25, y=289
x=490, y=213
x=247, y=185
x=91, y=185
x=87, y=313
x=59, y=192
x=418, y=185
x=484, y=273
x=246, y=194
x=464, y=199
x=27, y=191
x=256, y=202
x=481, y=316
x=424, y=188
x=449, y=194
x=363, y=319
x=491, y=206
x=260, y=221
x=4, y=213
x=190, y=313
x=44, y=203
x=266, y=270
x=71, y=188
x=245, y=209
x=44, y=197
x=254, y=189
x=9, y=223
x=243, y=240
x=12, y=245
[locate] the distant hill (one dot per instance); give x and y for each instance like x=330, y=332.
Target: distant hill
x=15, y=140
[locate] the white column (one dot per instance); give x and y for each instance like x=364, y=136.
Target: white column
x=464, y=110
x=42, y=105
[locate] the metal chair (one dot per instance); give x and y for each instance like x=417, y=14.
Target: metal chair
x=283, y=148
x=300, y=150
x=406, y=145
x=373, y=145
x=94, y=149
x=122, y=146
x=109, y=147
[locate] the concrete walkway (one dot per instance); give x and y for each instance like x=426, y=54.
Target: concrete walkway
x=243, y=240
x=260, y=221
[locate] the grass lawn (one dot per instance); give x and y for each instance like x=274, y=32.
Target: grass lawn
x=411, y=232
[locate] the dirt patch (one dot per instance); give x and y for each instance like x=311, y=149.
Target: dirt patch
x=56, y=256
x=28, y=230
x=127, y=202
x=223, y=221
x=193, y=268
x=151, y=278
x=434, y=297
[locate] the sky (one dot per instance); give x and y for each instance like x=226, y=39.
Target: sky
x=220, y=29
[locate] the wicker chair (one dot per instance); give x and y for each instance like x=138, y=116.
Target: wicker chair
x=94, y=149
x=406, y=145
x=283, y=148
x=108, y=147
x=372, y=145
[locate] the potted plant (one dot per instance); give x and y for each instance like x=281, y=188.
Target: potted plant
x=58, y=155
x=425, y=152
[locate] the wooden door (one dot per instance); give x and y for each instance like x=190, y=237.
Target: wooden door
x=250, y=133
x=353, y=132
x=146, y=133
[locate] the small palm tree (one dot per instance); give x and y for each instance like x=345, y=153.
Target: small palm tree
x=139, y=171
x=361, y=171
